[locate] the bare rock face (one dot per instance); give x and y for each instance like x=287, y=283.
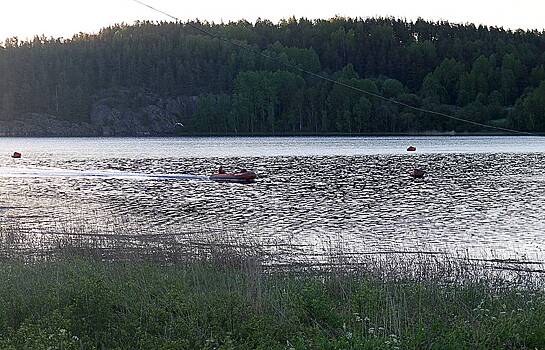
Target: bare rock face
x=114, y=113
x=39, y=124
x=140, y=115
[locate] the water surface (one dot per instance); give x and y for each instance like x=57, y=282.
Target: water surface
x=481, y=195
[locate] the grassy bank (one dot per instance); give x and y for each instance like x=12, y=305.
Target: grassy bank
x=81, y=303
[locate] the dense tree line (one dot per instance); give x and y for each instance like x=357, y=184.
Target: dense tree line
x=485, y=74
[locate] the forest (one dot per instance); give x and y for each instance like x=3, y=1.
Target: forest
x=484, y=74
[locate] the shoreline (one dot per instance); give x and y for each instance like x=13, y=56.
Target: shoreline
x=330, y=135
x=215, y=290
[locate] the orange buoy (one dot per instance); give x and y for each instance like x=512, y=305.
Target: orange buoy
x=16, y=155
x=411, y=149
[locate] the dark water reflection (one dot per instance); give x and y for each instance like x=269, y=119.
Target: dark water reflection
x=469, y=202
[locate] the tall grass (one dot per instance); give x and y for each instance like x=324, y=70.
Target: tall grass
x=215, y=292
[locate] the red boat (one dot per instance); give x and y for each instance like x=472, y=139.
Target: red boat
x=241, y=177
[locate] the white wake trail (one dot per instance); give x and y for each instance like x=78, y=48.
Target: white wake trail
x=108, y=174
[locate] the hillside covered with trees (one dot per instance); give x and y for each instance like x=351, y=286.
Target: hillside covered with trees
x=485, y=74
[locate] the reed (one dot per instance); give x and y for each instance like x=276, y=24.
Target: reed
x=208, y=290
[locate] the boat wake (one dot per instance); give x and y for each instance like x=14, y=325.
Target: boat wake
x=109, y=174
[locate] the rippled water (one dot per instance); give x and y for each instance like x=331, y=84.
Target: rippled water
x=482, y=194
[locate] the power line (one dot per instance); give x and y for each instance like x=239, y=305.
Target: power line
x=293, y=66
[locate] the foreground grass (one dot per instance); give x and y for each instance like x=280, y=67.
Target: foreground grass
x=84, y=304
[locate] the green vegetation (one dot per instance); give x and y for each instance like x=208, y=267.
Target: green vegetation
x=86, y=304
x=218, y=291
x=485, y=74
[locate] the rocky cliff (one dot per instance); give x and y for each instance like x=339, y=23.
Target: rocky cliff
x=113, y=113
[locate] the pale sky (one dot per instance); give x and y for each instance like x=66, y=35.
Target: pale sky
x=63, y=18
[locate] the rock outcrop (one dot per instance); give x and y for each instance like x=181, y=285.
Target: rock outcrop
x=40, y=124
x=141, y=114
x=114, y=113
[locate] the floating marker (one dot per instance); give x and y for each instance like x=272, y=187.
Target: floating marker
x=418, y=173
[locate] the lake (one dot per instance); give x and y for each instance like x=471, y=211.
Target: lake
x=481, y=195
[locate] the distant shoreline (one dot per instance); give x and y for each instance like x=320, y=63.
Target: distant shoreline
x=243, y=135
x=423, y=134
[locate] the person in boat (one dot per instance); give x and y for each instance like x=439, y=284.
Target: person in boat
x=221, y=170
